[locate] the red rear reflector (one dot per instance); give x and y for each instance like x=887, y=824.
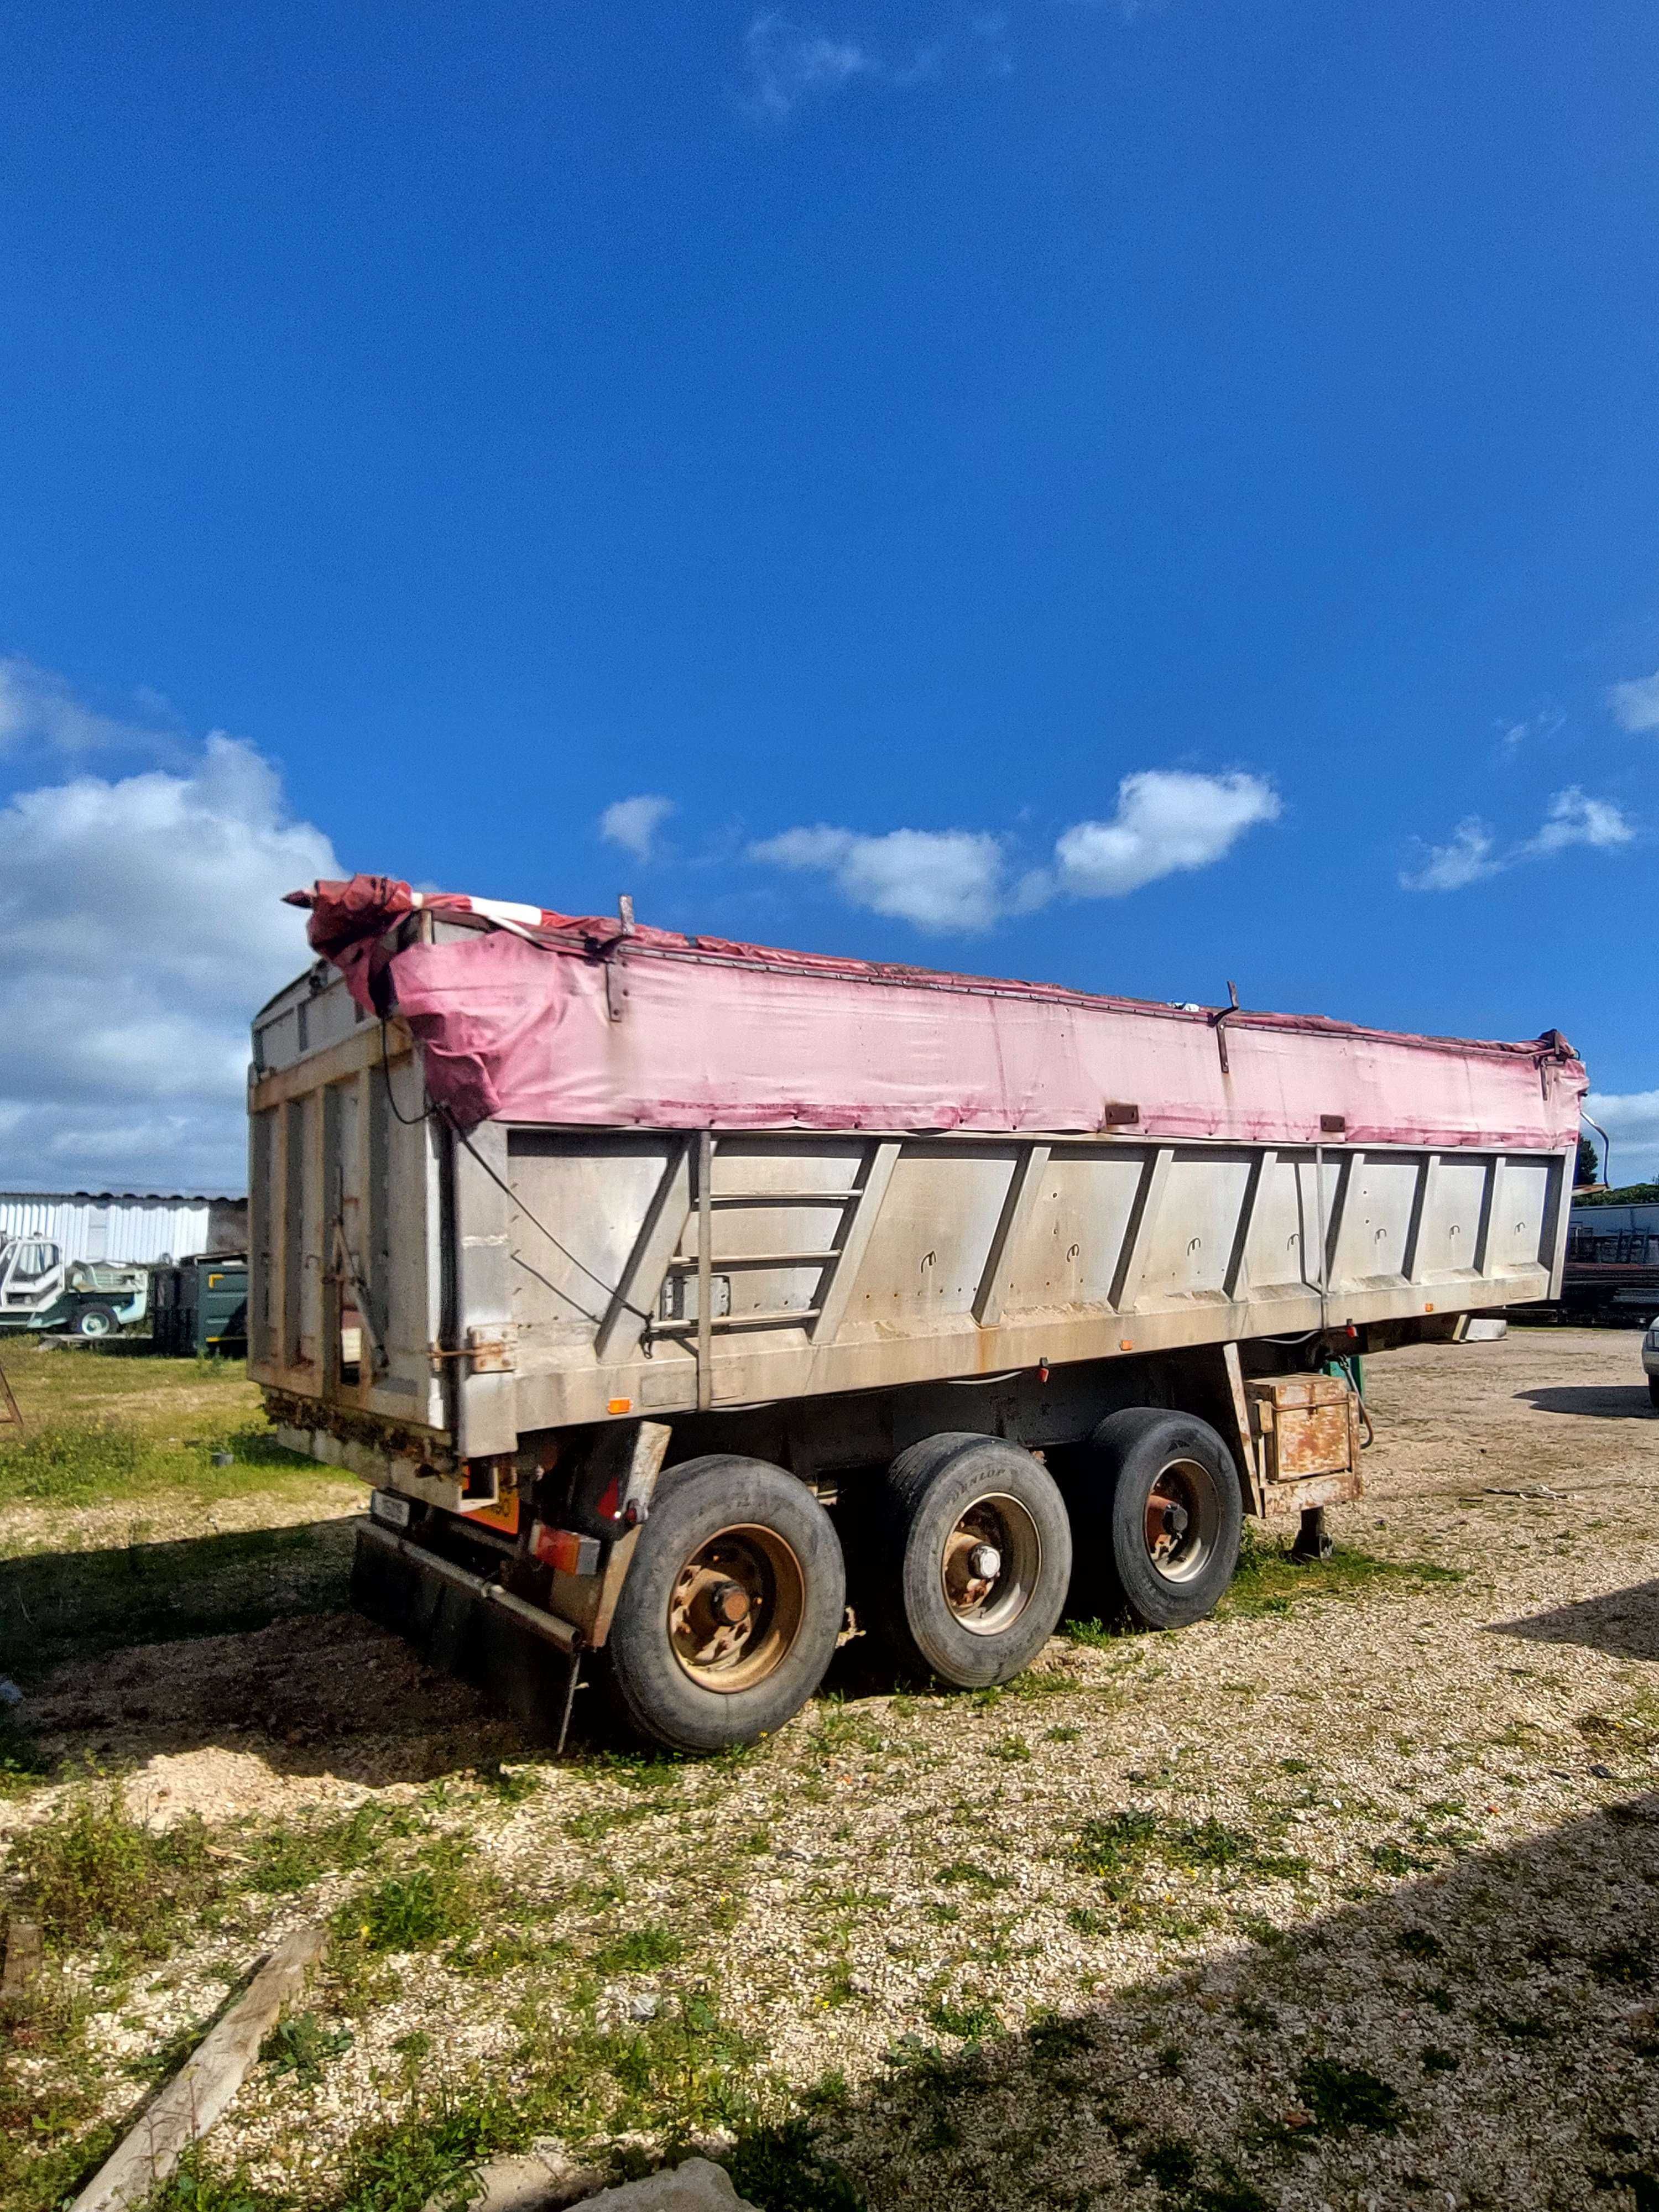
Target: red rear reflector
x=564, y=1550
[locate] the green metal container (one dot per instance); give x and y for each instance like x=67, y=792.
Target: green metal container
x=200, y=1307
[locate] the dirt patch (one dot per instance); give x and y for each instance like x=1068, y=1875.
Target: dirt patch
x=1562, y=1408
x=324, y=1698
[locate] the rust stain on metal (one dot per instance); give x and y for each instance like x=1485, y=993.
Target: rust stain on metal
x=397, y=1439
x=1309, y=1424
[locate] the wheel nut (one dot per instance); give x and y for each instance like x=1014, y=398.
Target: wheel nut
x=985, y=1563
x=729, y=1601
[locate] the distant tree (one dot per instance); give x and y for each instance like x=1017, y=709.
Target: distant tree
x=1629, y=1194
x=1590, y=1163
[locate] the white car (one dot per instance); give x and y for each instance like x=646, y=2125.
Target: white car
x=1650, y=1360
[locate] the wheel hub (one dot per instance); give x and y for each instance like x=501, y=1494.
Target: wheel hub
x=1181, y=1519
x=729, y=1603
x=990, y=1563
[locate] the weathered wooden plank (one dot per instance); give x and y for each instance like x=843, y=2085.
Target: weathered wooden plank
x=206, y=2083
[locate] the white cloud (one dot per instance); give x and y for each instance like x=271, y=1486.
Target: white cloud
x=940, y=880
x=1635, y=705
x=1573, y=818
x=1544, y=724
x=633, y=823
x=140, y=926
x=39, y=709
x=1632, y=1121
x=787, y=64
x=1167, y=820
x=1464, y=860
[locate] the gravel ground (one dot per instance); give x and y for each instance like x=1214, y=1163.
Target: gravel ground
x=1342, y=1899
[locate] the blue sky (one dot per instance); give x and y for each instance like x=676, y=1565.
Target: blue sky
x=1138, y=494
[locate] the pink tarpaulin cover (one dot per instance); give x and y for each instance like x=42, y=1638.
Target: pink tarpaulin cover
x=535, y=1016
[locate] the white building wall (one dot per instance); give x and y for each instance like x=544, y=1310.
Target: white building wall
x=107, y=1225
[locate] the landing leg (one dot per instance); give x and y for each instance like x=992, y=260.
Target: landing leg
x=1313, y=1540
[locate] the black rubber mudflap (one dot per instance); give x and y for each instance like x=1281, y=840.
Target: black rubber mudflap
x=464, y=1637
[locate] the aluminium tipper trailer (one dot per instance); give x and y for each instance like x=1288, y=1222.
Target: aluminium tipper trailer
x=691, y=1301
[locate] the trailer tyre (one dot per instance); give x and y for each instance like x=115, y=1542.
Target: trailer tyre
x=96, y=1320
x=976, y=1561
x=1159, y=1527
x=1653, y=1391
x=731, y=1606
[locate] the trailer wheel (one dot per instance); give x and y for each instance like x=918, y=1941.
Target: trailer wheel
x=731, y=1606
x=1653, y=1391
x=976, y=1561
x=95, y=1321
x=1159, y=1525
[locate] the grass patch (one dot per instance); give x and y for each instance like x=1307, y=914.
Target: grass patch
x=639, y=1951
x=779, y=2168
x=676, y=2076
x=592, y=1825
x=1046, y=1682
x=841, y=1728
x=1114, y=1849
x=490, y=1954
x=71, y=1463
x=1393, y=1858
x=302, y=2046
x=413, y=1912
x=1118, y=1849
x=434, y=2148
x=969, y=1875
x=130, y=1449
x=125, y=1444
x=512, y=1785
x=1269, y=1580
x=1349, y=2097
x=1092, y=1635
x=1419, y=1943
x=91, y=1872
x=194, y=2186
x=290, y=1855
x=653, y=1770
x=970, y=2018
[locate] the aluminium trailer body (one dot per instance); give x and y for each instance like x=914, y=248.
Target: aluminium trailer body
x=669, y=1291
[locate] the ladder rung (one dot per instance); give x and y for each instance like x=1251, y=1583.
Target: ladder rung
x=760, y=1260
x=781, y=1317
x=782, y=1197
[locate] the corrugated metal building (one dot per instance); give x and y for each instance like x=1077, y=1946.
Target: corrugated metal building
x=127, y=1226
